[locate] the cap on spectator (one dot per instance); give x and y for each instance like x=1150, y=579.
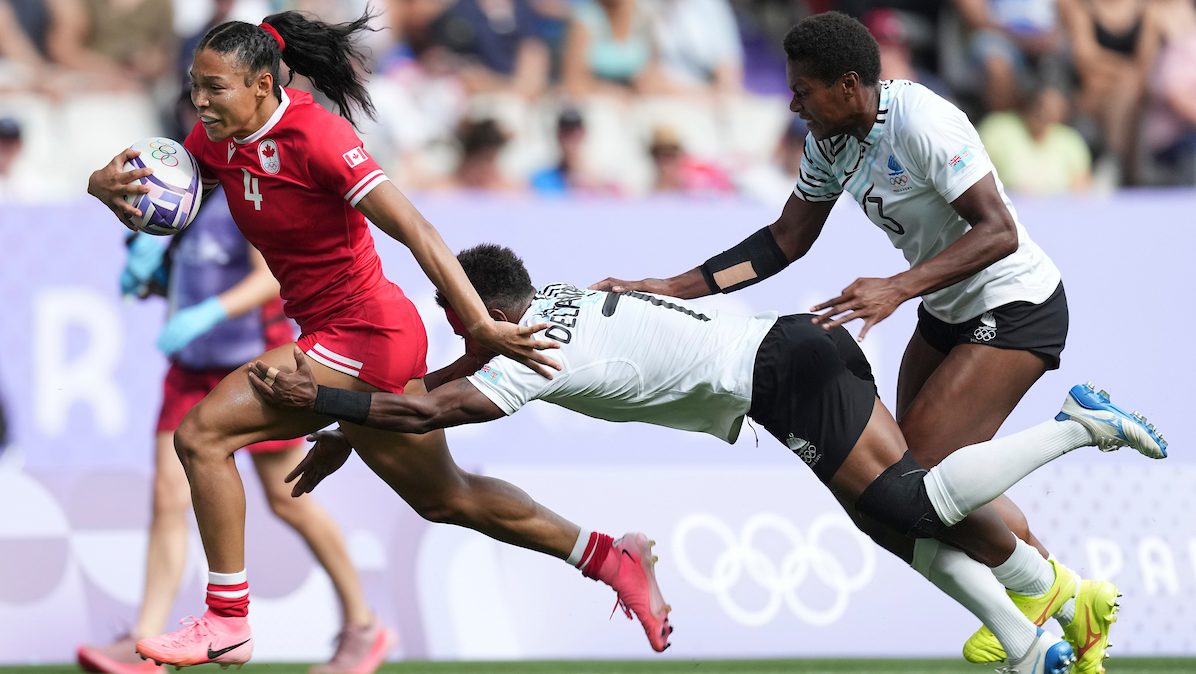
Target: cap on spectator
x=570, y=119
x=10, y=129
x=664, y=140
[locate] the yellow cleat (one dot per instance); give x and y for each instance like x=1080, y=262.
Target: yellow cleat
x=983, y=646
x=1096, y=610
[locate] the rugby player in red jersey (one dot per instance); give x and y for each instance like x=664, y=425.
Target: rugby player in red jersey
x=300, y=186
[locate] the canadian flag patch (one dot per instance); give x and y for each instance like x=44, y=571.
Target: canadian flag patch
x=355, y=157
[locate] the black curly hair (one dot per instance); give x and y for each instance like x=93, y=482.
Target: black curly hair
x=833, y=43
x=499, y=276
x=323, y=52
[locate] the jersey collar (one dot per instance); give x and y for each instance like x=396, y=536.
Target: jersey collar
x=882, y=114
x=257, y=135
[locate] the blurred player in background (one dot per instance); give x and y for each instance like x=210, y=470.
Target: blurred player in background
x=225, y=310
x=993, y=316
x=659, y=360
x=299, y=186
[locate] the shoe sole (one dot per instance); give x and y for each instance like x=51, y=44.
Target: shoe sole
x=147, y=653
x=656, y=603
x=1085, y=396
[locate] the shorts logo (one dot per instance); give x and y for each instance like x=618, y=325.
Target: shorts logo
x=803, y=449
x=492, y=376
x=987, y=328
x=355, y=157
x=267, y=153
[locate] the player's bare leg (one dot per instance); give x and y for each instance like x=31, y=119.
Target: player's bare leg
x=230, y=417
x=166, y=553
x=980, y=385
x=165, y=559
x=363, y=641
x=422, y=471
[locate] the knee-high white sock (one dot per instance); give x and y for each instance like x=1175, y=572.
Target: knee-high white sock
x=972, y=585
x=1025, y=572
x=974, y=475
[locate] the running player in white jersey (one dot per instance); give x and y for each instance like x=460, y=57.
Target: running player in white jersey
x=659, y=360
x=993, y=308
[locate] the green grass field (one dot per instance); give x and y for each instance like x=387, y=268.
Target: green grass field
x=1118, y=666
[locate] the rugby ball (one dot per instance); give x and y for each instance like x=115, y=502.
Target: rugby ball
x=175, y=191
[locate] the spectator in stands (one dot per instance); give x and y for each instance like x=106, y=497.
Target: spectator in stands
x=15, y=185
x=894, y=32
x=570, y=173
x=1106, y=43
x=680, y=173
x=23, y=66
x=763, y=181
x=1033, y=150
x=1013, y=39
x=1170, y=125
x=482, y=141
x=499, y=46
x=121, y=45
x=609, y=50
x=698, y=46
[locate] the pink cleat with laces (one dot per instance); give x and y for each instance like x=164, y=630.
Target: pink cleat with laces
x=227, y=642
x=118, y=657
x=634, y=580
x=359, y=650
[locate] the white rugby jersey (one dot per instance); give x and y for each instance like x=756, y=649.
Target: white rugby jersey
x=921, y=154
x=636, y=357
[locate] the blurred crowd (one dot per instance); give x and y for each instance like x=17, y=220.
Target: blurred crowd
x=627, y=97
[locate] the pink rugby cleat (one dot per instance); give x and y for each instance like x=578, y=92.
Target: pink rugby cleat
x=359, y=650
x=227, y=642
x=118, y=657
x=634, y=580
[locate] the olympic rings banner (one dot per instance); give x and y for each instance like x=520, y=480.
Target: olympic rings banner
x=756, y=559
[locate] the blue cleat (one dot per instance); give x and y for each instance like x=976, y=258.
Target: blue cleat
x=1110, y=426
x=1047, y=655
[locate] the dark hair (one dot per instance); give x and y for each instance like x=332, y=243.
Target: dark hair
x=479, y=135
x=499, y=276
x=325, y=53
x=831, y=44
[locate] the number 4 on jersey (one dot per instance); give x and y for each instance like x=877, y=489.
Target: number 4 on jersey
x=251, y=190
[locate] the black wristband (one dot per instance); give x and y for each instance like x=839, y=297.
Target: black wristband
x=339, y=403
x=753, y=260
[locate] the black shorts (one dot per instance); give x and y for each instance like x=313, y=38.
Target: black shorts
x=1024, y=326
x=813, y=390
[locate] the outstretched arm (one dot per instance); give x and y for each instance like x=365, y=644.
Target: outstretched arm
x=757, y=257
x=993, y=236
x=452, y=404
x=387, y=208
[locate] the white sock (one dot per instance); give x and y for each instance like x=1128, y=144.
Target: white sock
x=228, y=578
x=972, y=585
x=579, y=548
x=1025, y=572
x=974, y=475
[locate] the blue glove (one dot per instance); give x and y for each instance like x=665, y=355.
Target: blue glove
x=187, y=324
x=146, y=253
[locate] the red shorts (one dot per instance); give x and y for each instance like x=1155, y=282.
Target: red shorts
x=183, y=388
x=379, y=339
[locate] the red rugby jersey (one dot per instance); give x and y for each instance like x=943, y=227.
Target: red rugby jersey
x=292, y=187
